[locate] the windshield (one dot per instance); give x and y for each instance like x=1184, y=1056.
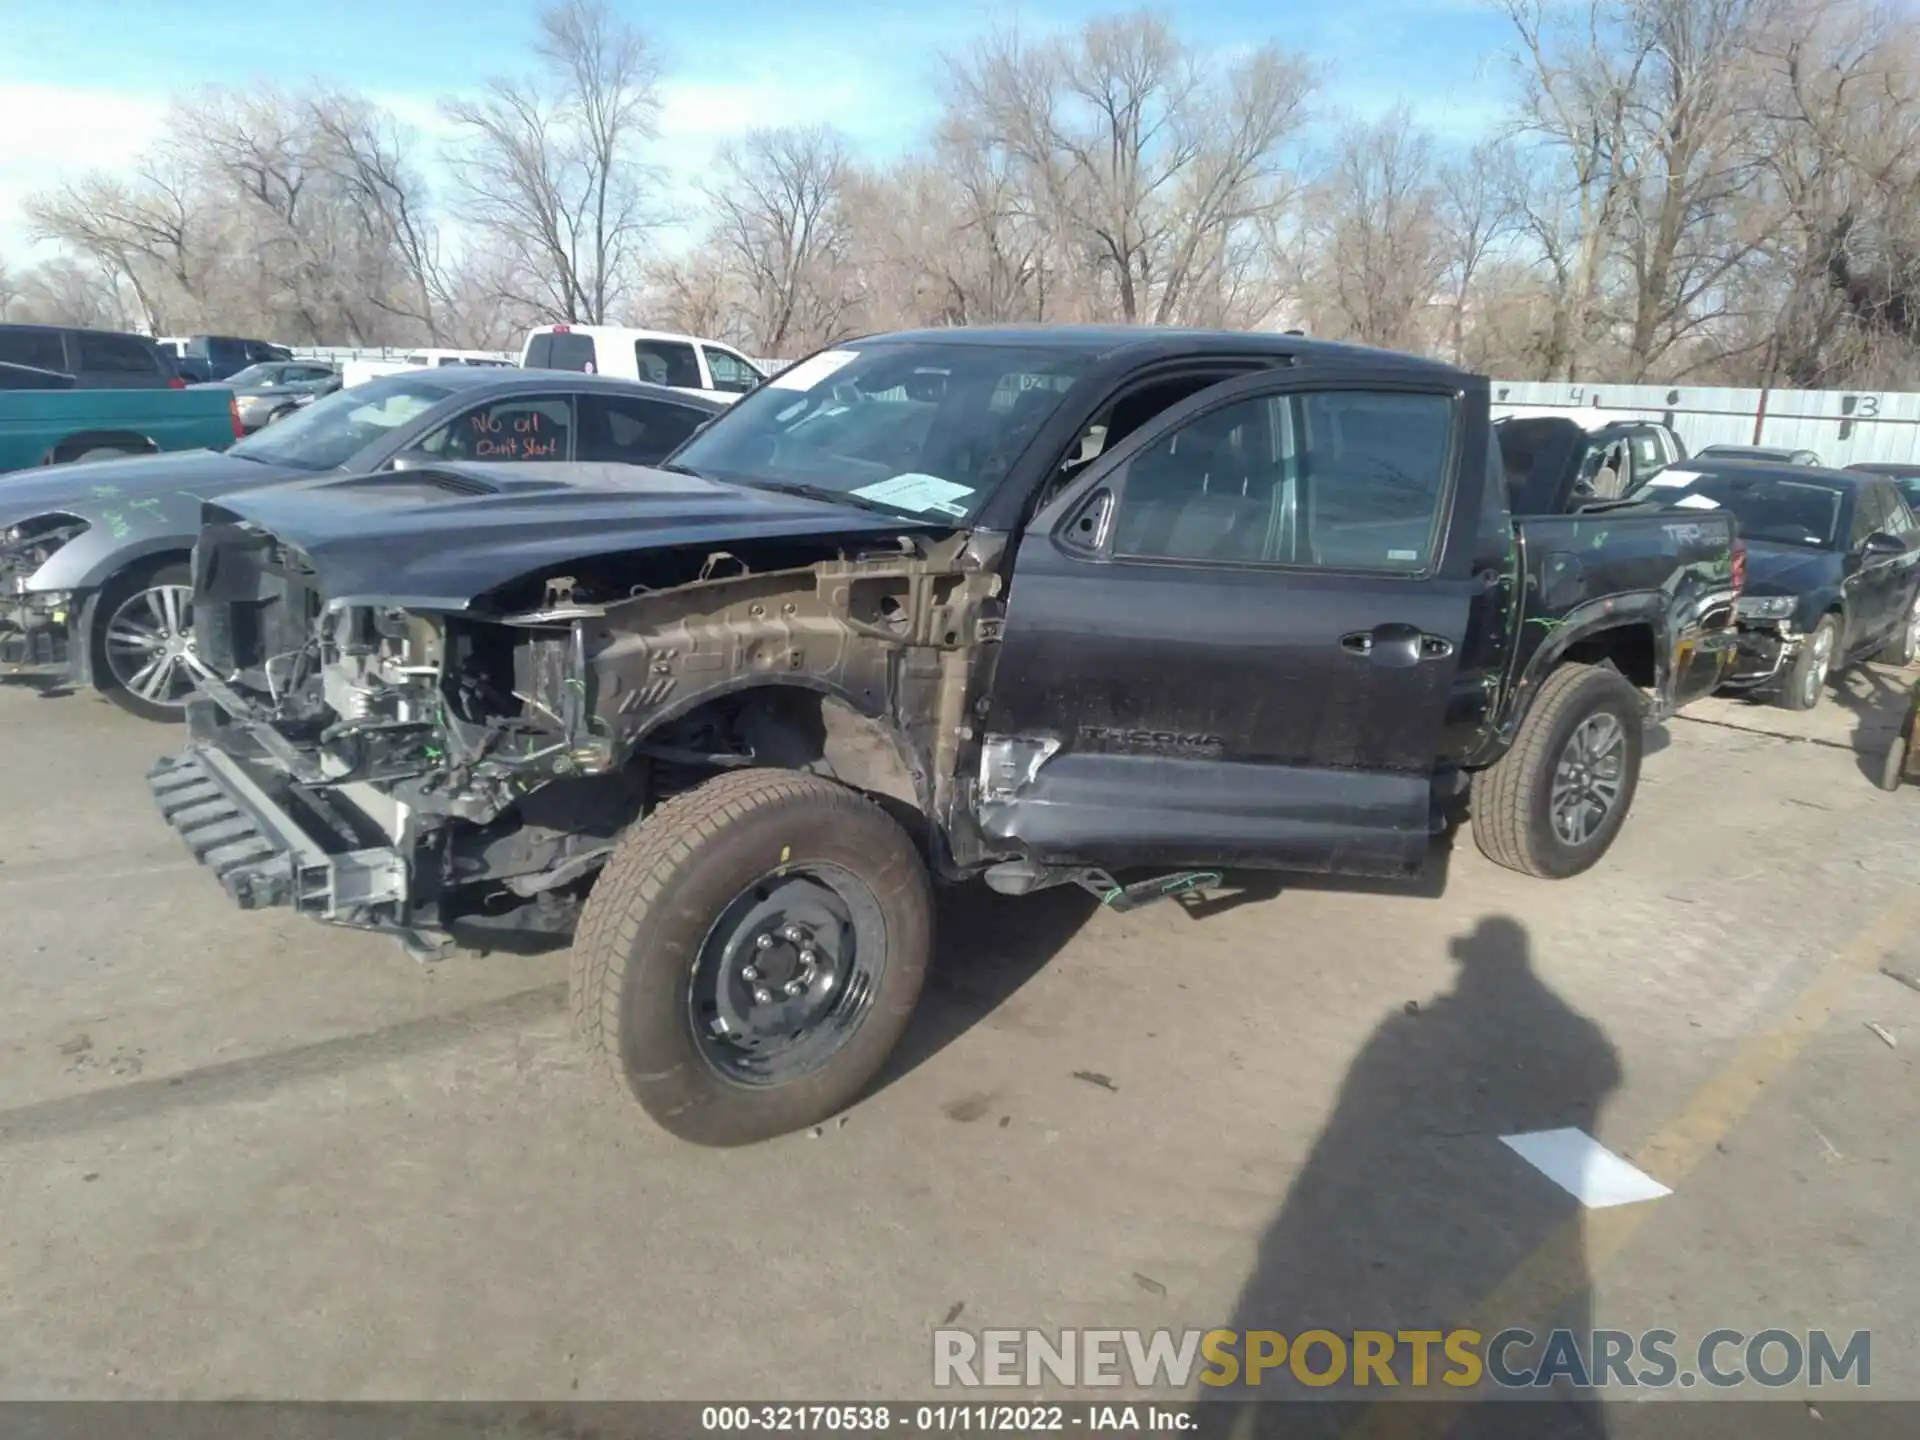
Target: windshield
x=255, y=375
x=1783, y=512
x=327, y=433
x=928, y=429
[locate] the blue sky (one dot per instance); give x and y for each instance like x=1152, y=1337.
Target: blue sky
x=83, y=82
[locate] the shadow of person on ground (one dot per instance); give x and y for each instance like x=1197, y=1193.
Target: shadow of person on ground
x=1876, y=697
x=1409, y=1211
x=47, y=685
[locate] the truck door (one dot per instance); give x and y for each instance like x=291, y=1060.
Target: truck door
x=1237, y=639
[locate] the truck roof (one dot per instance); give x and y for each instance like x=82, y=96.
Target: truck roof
x=1156, y=340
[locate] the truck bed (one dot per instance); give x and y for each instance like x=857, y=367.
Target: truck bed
x=38, y=427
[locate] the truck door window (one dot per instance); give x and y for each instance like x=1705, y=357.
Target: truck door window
x=1333, y=479
x=1649, y=455
x=667, y=362
x=730, y=372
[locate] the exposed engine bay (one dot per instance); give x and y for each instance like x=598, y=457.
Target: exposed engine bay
x=503, y=749
x=33, y=624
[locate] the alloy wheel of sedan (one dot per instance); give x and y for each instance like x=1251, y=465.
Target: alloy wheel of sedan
x=150, y=645
x=1587, y=779
x=1822, y=661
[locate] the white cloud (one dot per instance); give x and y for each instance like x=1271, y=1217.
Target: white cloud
x=61, y=132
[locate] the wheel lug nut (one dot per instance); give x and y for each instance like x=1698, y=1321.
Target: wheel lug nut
x=763, y=942
x=762, y=996
x=749, y=973
x=794, y=934
x=794, y=987
x=809, y=958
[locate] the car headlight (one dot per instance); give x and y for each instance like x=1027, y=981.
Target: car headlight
x=1765, y=607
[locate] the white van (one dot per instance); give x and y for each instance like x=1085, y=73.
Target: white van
x=680, y=362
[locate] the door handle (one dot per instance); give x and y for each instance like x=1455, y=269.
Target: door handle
x=1396, y=646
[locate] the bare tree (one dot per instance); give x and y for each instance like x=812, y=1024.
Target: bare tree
x=1478, y=212
x=9, y=290
x=780, y=230
x=1151, y=159
x=368, y=157
x=696, y=293
x=551, y=167
x=1375, y=249
x=141, y=229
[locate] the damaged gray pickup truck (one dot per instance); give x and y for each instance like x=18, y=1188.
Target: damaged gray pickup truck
x=1046, y=606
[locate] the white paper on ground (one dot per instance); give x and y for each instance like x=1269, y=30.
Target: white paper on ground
x=1695, y=502
x=809, y=373
x=1584, y=1168
x=1671, y=478
x=918, y=493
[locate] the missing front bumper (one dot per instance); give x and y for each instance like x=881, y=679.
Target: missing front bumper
x=34, y=632
x=270, y=842
x=1761, y=657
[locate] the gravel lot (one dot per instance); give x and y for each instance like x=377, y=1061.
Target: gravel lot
x=246, y=1156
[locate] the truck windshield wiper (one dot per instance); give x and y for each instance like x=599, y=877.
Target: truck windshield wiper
x=830, y=495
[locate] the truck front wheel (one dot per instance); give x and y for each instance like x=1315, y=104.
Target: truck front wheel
x=752, y=953
x=1552, y=805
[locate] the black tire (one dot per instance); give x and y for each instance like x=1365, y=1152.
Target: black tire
x=1903, y=646
x=116, y=593
x=648, y=924
x=1512, y=799
x=1819, y=657
x=1895, y=765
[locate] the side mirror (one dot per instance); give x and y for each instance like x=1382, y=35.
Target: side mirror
x=413, y=460
x=1881, y=544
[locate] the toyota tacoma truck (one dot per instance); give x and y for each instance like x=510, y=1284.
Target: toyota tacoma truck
x=1038, y=607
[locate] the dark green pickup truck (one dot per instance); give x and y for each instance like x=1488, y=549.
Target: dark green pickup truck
x=54, y=426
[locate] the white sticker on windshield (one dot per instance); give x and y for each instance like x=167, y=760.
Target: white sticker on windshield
x=1695, y=502
x=809, y=373
x=1670, y=478
x=918, y=493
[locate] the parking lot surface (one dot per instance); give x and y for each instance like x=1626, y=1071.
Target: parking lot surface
x=244, y=1155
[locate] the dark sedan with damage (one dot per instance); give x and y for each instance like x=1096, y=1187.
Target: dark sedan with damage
x=93, y=557
x=1039, y=606
x=1833, y=569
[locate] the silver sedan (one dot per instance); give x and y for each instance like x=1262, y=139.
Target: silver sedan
x=273, y=389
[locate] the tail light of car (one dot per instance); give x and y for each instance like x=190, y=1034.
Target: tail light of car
x=176, y=383
x=1739, y=566
x=233, y=414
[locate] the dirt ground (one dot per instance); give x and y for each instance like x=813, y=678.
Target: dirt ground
x=243, y=1155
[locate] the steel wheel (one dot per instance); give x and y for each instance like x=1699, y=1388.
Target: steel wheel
x=787, y=974
x=149, y=647
x=1587, y=778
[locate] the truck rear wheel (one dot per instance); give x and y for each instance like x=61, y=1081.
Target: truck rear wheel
x=752, y=953
x=1552, y=805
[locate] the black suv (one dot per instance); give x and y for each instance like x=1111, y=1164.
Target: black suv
x=97, y=359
